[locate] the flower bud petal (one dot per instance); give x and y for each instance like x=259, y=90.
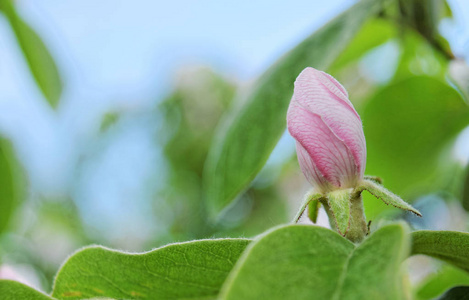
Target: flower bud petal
x=330, y=141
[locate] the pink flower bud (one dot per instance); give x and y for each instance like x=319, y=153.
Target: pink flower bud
x=328, y=131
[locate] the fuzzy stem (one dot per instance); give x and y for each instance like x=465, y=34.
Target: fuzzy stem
x=358, y=228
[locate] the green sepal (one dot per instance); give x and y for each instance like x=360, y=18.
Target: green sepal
x=339, y=204
x=313, y=210
x=310, y=197
x=386, y=196
x=375, y=179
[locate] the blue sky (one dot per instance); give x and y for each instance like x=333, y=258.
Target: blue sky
x=126, y=53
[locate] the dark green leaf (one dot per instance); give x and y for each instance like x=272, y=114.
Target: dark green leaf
x=449, y=246
x=465, y=190
x=14, y=290
x=193, y=270
x=310, y=262
x=248, y=137
x=40, y=61
x=456, y=293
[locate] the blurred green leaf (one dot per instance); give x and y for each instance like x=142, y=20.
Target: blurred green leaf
x=375, y=32
x=178, y=271
x=10, y=183
x=407, y=126
x=310, y=262
x=465, y=190
x=418, y=57
x=424, y=17
x=267, y=208
x=191, y=113
x=445, y=278
x=449, y=246
x=14, y=290
x=40, y=61
x=108, y=120
x=456, y=293
x=245, y=141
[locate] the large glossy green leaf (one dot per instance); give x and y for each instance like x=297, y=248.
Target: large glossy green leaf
x=10, y=183
x=310, y=262
x=194, y=270
x=450, y=246
x=38, y=57
x=250, y=133
x=14, y=290
x=407, y=127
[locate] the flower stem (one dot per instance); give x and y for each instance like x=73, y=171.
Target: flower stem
x=357, y=229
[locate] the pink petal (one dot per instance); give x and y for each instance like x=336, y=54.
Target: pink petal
x=319, y=93
x=311, y=172
x=329, y=156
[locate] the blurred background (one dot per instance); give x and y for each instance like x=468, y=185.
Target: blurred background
x=108, y=110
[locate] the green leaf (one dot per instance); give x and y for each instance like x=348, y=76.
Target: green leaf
x=449, y=246
x=10, y=183
x=423, y=16
x=438, y=282
x=419, y=57
x=339, y=203
x=456, y=293
x=310, y=262
x=14, y=290
x=387, y=196
x=374, y=33
x=249, y=135
x=40, y=61
x=407, y=126
x=193, y=270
